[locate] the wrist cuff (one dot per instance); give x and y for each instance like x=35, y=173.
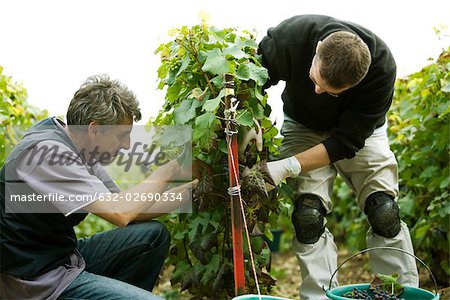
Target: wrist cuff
x=293, y=165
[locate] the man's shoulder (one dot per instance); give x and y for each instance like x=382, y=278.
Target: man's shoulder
x=309, y=19
x=46, y=154
x=305, y=29
x=303, y=22
x=48, y=148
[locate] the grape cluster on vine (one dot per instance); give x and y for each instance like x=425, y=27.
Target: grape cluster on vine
x=173, y=64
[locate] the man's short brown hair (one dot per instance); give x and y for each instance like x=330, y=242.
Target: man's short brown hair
x=344, y=59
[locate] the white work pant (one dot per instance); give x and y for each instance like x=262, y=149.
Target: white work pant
x=373, y=169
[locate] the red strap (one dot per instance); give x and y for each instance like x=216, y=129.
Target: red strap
x=233, y=174
x=236, y=222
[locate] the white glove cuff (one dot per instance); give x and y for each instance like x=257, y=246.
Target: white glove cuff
x=293, y=166
x=281, y=169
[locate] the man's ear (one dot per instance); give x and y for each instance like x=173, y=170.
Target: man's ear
x=318, y=45
x=93, y=128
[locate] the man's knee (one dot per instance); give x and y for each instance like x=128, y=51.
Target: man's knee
x=383, y=214
x=160, y=234
x=308, y=218
x=154, y=233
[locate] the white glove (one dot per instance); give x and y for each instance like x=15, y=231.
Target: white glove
x=281, y=169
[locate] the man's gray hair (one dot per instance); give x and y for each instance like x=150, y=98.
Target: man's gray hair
x=106, y=101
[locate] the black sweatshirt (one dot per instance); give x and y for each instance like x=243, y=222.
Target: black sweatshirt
x=287, y=52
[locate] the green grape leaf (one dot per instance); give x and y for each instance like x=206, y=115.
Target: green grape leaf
x=247, y=71
x=446, y=88
x=217, y=33
x=181, y=269
x=246, y=43
x=186, y=111
x=387, y=283
x=245, y=118
x=184, y=64
x=173, y=92
x=205, y=120
x=211, y=269
x=176, y=135
x=235, y=52
x=212, y=104
x=216, y=63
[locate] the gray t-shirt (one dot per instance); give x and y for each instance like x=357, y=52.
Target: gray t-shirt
x=45, y=176
x=78, y=179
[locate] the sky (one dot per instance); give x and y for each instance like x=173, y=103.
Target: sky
x=52, y=46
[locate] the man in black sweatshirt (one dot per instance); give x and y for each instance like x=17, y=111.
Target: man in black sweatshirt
x=339, y=85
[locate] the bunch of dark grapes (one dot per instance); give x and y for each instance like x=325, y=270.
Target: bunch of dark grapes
x=378, y=294
x=358, y=294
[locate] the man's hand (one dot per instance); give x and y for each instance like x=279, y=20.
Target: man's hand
x=281, y=169
x=200, y=169
x=265, y=176
x=196, y=170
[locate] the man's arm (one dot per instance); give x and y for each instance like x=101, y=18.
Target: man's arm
x=142, y=210
x=122, y=212
x=313, y=158
x=179, y=195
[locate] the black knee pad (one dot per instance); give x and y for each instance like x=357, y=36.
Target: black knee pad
x=383, y=214
x=308, y=218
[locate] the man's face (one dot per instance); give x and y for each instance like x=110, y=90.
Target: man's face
x=107, y=140
x=320, y=84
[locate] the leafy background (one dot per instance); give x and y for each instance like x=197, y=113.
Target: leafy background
x=15, y=113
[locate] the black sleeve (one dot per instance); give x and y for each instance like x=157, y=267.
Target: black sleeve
x=368, y=109
x=274, y=60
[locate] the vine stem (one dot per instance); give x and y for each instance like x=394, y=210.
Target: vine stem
x=226, y=238
x=195, y=54
x=191, y=49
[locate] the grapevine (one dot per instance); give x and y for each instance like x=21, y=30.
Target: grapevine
x=192, y=69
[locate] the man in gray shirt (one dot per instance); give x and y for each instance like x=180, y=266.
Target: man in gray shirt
x=41, y=257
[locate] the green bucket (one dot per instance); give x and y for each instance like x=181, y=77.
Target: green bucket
x=256, y=297
x=409, y=293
